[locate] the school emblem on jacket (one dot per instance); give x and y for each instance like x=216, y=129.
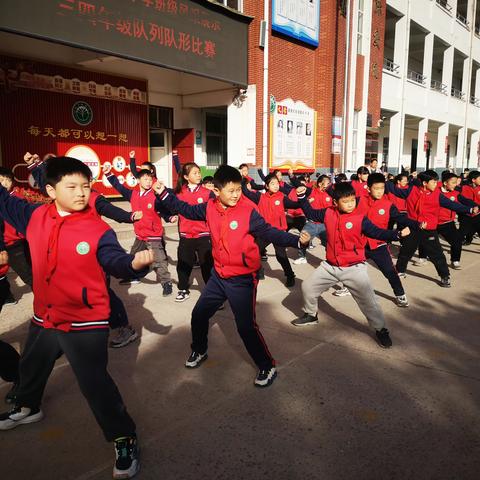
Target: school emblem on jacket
x=199, y=200
x=277, y=202
x=381, y=211
x=233, y=225
x=452, y=198
x=149, y=205
x=349, y=225
x=83, y=248
x=328, y=199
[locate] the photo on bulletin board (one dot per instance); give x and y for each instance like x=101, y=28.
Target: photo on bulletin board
x=299, y=19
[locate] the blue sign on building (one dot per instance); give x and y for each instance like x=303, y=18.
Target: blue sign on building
x=299, y=19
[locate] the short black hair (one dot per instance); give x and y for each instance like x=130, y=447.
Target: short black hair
x=242, y=165
x=399, y=177
x=474, y=174
x=375, y=178
x=269, y=178
x=342, y=190
x=144, y=171
x=226, y=174
x=207, y=179
x=428, y=175
x=362, y=170
x=6, y=172
x=341, y=177
x=321, y=178
x=447, y=175
x=59, y=167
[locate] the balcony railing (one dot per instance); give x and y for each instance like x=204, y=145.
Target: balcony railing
x=445, y=5
x=390, y=66
x=416, y=77
x=458, y=94
x=475, y=101
x=462, y=19
x=438, y=86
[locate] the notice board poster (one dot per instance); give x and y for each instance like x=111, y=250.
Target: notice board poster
x=293, y=133
x=299, y=19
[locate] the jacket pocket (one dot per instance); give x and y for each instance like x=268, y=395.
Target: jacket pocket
x=244, y=260
x=85, y=298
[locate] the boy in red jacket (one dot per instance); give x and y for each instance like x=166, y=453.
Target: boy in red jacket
x=72, y=251
x=149, y=229
x=347, y=232
x=423, y=205
x=234, y=223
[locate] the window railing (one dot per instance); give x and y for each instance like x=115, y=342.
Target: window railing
x=445, y=5
x=475, y=101
x=416, y=77
x=390, y=66
x=438, y=86
x=462, y=19
x=458, y=94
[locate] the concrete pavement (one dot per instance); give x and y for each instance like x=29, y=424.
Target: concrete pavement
x=341, y=408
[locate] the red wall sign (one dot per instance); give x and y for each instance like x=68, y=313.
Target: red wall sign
x=95, y=118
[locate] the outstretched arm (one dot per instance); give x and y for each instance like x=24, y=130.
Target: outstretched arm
x=250, y=194
x=372, y=231
x=317, y=215
x=261, y=229
x=168, y=200
x=16, y=211
x=123, y=191
x=456, y=206
x=105, y=208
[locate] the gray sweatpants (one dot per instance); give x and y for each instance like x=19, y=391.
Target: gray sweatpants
x=160, y=262
x=355, y=278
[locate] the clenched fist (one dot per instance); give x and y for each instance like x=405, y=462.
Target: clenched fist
x=137, y=215
x=132, y=154
x=305, y=239
x=3, y=257
x=142, y=259
x=301, y=190
x=405, y=232
x=106, y=168
x=29, y=158
x=158, y=187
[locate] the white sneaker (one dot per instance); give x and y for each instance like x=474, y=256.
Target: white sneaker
x=401, y=301
x=265, y=378
x=420, y=262
x=456, y=265
x=402, y=274
x=300, y=260
x=19, y=416
x=342, y=292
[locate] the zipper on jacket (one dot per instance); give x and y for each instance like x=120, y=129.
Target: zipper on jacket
x=85, y=298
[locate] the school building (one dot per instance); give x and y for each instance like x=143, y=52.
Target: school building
x=312, y=84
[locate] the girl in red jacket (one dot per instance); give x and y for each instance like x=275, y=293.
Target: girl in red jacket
x=194, y=234
x=272, y=205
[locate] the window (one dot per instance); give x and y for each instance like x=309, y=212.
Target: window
x=360, y=28
x=135, y=95
x=107, y=90
x=75, y=85
x=216, y=138
x=354, y=140
x=92, y=88
x=236, y=4
x=58, y=82
x=122, y=93
x=160, y=117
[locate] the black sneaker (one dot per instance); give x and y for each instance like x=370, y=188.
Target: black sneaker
x=127, y=463
x=305, y=319
x=445, y=282
x=167, y=289
x=265, y=377
x=383, y=338
x=182, y=295
x=195, y=359
x=290, y=281
x=19, y=416
x=11, y=395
